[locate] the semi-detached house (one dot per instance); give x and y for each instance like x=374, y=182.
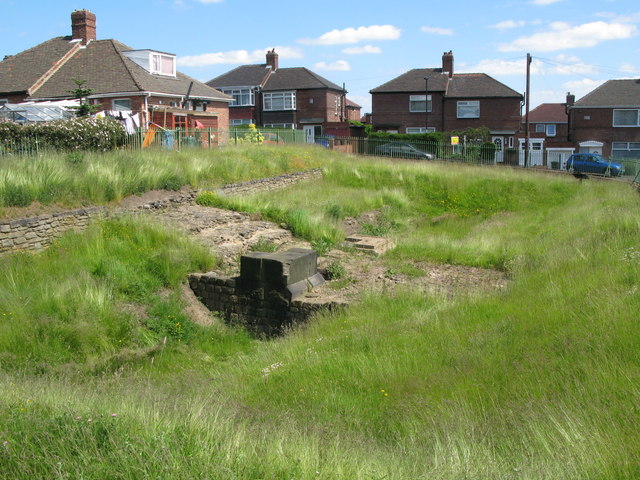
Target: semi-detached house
x=438, y=99
x=121, y=78
x=607, y=120
x=296, y=98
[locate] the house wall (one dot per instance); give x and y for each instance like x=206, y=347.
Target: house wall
x=391, y=110
x=15, y=98
x=222, y=109
x=498, y=114
x=597, y=124
x=323, y=105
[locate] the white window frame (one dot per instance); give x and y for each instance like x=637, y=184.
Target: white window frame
x=240, y=121
x=417, y=130
x=279, y=125
x=116, y=104
x=288, y=100
x=418, y=99
x=159, y=57
x=242, y=96
x=618, y=110
x=551, y=130
x=468, y=104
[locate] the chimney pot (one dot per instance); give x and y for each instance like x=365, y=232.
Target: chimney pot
x=83, y=26
x=272, y=59
x=447, y=63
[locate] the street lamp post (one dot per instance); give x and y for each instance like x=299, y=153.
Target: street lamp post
x=426, y=104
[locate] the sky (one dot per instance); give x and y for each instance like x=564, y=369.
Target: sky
x=576, y=45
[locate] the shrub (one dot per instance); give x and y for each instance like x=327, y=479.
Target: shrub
x=98, y=134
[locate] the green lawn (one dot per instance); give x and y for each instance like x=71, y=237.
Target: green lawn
x=104, y=376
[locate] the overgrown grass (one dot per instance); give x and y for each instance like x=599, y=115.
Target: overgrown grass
x=97, y=300
x=98, y=178
x=539, y=381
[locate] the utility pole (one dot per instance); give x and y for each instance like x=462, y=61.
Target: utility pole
x=426, y=104
x=526, y=115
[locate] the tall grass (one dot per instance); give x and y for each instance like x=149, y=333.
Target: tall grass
x=91, y=298
x=104, y=177
x=539, y=381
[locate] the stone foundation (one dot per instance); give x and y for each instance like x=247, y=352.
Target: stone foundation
x=269, y=295
x=36, y=233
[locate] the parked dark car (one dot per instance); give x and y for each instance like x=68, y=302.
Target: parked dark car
x=402, y=150
x=594, y=164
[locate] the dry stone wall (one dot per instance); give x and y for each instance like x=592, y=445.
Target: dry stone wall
x=36, y=233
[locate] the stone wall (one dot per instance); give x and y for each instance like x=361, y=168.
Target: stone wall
x=261, y=313
x=36, y=233
x=270, y=294
x=272, y=183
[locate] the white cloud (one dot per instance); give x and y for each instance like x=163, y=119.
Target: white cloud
x=580, y=88
x=236, y=57
x=562, y=36
x=367, y=49
x=508, y=24
x=338, y=65
x=544, y=2
x=355, y=35
x=437, y=30
x=570, y=65
x=502, y=67
x=559, y=65
x=629, y=68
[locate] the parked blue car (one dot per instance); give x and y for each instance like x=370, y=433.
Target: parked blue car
x=594, y=164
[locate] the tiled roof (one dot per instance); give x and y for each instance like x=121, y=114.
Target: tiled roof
x=19, y=72
x=549, y=113
x=297, y=78
x=243, y=76
x=478, y=85
x=613, y=93
x=101, y=64
x=462, y=85
x=413, y=81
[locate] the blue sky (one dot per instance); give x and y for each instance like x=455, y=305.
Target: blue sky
x=576, y=44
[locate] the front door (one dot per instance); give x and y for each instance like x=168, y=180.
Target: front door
x=311, y=132
x=499, y=143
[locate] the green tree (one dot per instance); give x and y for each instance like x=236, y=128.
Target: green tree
x=84, y=109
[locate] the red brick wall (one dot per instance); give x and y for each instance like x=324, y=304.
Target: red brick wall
x=17, y=98
x=597, y=124
x=495, y=113
x=392, y=110
x=222, y=109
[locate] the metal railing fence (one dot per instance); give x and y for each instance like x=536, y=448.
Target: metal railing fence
x=470, y=153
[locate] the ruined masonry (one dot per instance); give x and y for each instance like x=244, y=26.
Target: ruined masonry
x=269, y=295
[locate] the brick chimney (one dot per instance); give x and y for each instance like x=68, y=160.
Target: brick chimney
x=571, y=99
x=447, y=63
x=83, y=26
x=272, y=59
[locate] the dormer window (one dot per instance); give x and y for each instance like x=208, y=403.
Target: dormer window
x=163, y=64
x=157, y=63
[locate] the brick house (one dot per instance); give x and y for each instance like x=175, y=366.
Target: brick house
x=142, y=81
x=296, y=98
x=438, y=99
x=607, y=120
x=548, y=134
